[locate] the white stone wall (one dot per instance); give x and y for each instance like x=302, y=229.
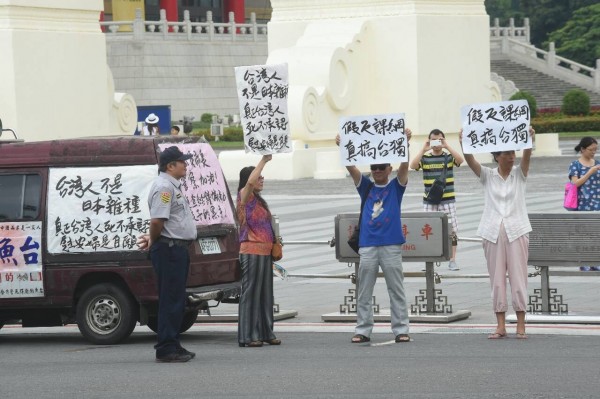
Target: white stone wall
x=193, y=77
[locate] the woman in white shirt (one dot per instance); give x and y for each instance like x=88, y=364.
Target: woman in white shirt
x=505, y=228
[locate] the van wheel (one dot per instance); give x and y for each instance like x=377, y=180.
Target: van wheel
x=189, y=318
x=106, y=314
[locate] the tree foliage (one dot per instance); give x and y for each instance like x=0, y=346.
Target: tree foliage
x=547, y=17
x=579, y=39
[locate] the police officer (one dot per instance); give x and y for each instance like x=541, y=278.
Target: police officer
x=172, y=230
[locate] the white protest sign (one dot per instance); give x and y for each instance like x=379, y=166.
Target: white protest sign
x=262, y=95
x=501, y=126
x=373, y=139
x=98, y=209
x=21, y=272
x=204, y=185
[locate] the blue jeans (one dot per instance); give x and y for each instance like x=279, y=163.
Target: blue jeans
x=389, y=257
x=171, y=265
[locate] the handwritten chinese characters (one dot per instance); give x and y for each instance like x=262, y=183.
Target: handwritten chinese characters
x=204, y=185
x=373, y=139
x=262, y=95
x=21, y=260
x=98, y=209
x=502, y=126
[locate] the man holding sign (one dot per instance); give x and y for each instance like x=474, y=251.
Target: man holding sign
x=381, y=235
x=504, y=225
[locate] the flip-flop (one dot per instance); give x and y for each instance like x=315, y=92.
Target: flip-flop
x=401, y=338
x=496, y=336
x=359, y=339
x=521, y=336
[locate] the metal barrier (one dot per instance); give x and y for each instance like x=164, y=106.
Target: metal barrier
x=427, y=240
x=561, y=239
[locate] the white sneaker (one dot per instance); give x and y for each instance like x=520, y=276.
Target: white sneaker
x=452, y=265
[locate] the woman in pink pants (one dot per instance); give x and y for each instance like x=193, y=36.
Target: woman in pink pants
x=505, y=228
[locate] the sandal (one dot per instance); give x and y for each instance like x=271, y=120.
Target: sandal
x=521, y=336
x=359, y=339
x=273, y=341
x=402, y=338
x=496, y=336
x=253, y=344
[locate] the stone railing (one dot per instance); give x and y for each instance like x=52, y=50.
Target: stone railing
x=521, y=33
x=140, y=29
x=551, y=64
x=513, y=42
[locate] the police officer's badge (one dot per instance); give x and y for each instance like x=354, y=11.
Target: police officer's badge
x=165, y=197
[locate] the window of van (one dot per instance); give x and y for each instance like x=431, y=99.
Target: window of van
x=20, y=199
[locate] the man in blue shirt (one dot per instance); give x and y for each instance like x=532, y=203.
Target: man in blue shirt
x=380, y=243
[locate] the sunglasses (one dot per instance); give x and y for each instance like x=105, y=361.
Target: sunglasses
x=379, y=167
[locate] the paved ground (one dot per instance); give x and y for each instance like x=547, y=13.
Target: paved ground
x=443, y=363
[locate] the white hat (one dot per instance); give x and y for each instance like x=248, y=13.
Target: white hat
x=151, y=119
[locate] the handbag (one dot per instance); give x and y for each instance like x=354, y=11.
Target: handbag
x=277, y=249
x=570, y=202
x=353, y=240
x=436, y=191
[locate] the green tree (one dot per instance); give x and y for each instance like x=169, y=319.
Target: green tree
x=503, y=10
x=579, y=39
x=545, y=16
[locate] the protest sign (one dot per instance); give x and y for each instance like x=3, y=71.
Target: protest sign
x=262, y=95
x=501, y=126
x=373, y=139
x=204, y=185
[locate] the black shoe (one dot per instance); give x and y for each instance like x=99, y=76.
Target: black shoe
x=174, y=358
x=183, y=351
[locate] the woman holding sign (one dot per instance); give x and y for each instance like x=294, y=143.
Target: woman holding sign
x=505, y=228
x=255, y=324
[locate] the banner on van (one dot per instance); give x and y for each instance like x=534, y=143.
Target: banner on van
x=21, y=260
x=98, y=209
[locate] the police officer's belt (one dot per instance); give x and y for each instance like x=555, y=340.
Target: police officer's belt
x=175, y=241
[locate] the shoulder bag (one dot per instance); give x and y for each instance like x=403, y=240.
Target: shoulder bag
x=436, y=191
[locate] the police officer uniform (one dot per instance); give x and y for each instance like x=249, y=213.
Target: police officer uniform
x=170, y=255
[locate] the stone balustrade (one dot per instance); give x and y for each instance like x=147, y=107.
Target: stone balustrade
x=513, y=42
x=139, y=29
x=521, y=32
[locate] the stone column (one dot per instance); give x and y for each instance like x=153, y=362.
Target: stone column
x=55, y=79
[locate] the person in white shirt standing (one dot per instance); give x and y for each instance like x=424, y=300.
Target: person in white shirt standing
x=505, y=228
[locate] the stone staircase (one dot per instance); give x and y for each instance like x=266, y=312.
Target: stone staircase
x=547, y=90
